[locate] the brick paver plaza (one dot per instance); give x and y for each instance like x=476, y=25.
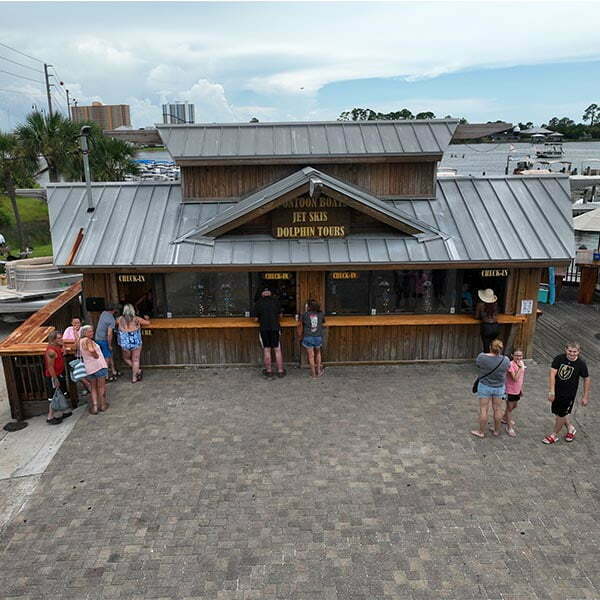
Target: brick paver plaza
x=364, y=484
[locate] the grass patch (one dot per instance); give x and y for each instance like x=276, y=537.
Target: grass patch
x=151, y=149
x=36, y=228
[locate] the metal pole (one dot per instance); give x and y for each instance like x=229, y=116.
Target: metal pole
x=86, y=166
x=68, y=104
x=48, y=88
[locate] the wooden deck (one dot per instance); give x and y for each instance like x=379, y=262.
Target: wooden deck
x=568, y=321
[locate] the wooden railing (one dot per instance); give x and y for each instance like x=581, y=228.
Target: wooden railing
x=23, y=351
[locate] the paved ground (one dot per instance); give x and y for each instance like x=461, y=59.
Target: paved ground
x=217, y=484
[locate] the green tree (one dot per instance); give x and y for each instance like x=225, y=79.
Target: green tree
x=52, y=137
x=425, y=115
x=591, y=114
x=17, y=169
x=110, y=159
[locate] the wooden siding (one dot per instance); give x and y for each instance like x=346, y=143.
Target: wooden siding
x=523, y=285
x=381, y=179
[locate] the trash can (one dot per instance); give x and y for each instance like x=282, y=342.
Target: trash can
x=543, y=293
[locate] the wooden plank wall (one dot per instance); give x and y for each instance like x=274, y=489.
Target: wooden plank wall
x=309, y=285
x=382, y=179
x=524, y=286
x=211, y=347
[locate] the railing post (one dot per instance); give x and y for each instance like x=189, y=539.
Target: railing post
x=16, y=410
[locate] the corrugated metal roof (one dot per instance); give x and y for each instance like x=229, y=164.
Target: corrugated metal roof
x=492, y=220
x=307, y=140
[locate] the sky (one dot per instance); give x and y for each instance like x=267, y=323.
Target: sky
x=282, y=61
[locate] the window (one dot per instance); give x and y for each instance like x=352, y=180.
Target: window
x=392, y=292
x=281, y=284
x=348, y=293
x=193, y=294
x=471, y=280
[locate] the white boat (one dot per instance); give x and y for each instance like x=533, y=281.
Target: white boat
x=550, y=149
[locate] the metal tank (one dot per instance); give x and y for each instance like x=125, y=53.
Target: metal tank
x=37, y=276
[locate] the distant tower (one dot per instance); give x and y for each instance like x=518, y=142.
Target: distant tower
x=178, y=113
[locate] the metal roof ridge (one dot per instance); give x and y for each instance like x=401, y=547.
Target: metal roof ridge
x=299, y=123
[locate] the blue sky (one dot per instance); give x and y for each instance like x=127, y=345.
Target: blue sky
x=308, y=61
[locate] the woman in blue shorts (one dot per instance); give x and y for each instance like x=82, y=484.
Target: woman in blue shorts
x=310, y=330
x=492, y=368
x=130, y=339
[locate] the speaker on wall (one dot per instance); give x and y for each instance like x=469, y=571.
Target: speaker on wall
x=94, y=304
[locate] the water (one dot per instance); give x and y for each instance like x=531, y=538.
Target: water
x=476, y=159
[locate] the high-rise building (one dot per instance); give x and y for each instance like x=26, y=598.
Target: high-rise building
x=108, y=116
x=178, y=113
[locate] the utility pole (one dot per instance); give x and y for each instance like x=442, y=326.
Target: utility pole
x=47, y=76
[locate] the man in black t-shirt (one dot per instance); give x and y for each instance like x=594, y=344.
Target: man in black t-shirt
x=564, y=381
x=267, y=311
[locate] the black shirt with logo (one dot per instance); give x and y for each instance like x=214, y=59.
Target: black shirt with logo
x=267, y=309
x=568, y=373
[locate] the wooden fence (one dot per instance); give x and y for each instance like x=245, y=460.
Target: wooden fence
x=23, y=350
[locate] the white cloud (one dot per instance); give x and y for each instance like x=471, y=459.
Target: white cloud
x=98, y=48
x=210, y=101
x=143, y=112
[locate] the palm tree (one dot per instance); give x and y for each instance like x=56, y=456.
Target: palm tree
x=16, y=169
x=52, y=137
x=110, y=159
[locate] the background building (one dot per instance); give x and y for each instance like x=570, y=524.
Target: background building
x=178, y=113
x=108, y=116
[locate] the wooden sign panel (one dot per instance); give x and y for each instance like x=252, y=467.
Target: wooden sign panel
x=131, y=278
x=311, y=218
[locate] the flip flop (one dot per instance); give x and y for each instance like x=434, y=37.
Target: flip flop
x=570, y=435
x=477, y=433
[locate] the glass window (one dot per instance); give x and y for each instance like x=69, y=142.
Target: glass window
x=281, y=284
x=348, y=293
x=193, y=294
x=469, y=281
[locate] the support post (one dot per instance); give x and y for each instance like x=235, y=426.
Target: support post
x=47, y=77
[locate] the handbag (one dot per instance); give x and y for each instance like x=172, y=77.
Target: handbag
x=78, y=371
x=476, y=384
x=59, y=402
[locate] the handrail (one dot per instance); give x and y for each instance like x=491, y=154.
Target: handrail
x=30, y=336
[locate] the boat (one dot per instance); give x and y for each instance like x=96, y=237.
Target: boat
x=29, y=284
x=550, y=149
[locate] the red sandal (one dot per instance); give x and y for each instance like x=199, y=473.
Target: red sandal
x=551, y=438
x=570, y=435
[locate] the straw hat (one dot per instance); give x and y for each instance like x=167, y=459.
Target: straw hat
x=487, y=296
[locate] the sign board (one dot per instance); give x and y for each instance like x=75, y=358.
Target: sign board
x=494, y=272
x=311, y=218
x=131, y=278
x=526, y=307
x=345, y=275
x=276, y=276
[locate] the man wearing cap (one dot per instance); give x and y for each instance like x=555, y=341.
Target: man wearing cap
x=487, y=312
x=267, y=311
x=104, y=337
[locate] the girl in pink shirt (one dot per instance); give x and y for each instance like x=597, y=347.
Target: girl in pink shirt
x=514, y=388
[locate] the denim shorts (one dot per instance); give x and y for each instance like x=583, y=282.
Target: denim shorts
x=106, y=352
x=487, y=391
x=98, y=374
x=312, y=341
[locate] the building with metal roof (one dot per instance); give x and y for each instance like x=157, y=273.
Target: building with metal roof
x=350, y=214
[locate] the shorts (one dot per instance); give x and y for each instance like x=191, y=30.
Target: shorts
x=513, y=397
x=312, y=341
x=106, y=351
x=98, y=374
x=561, y=407
x=269, y=338
x=62, y=384
x=488, y=391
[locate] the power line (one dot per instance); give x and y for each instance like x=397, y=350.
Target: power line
x=20, y=76
x=14, y=62
x=22, y=53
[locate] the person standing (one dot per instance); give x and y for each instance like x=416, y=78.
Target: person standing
x=492, y=367
x=72, y=334
x=54, y=374
x=514, y=389
x=104, y=338
x=487, y=312
x=95, y=367
x=564, y=377
x=267, y=311
x=310, y=327
x=130, y=339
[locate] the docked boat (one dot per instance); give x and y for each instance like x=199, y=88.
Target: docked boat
x=29, y=284
x=550, y=149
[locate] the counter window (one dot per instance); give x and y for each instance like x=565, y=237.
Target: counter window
x=192, y=294
x=282, y=285
x=469, y=281
x=143, y=291
x=348, y=293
